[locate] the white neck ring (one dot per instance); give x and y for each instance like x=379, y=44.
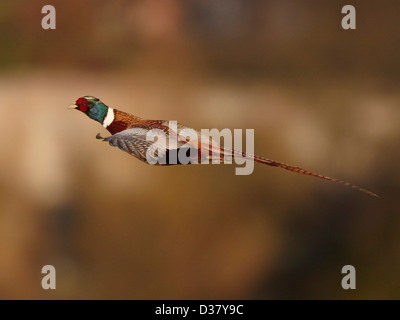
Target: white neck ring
x=109, y=118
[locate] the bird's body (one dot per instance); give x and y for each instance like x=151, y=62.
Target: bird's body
x=130, y=134
x=122, y=121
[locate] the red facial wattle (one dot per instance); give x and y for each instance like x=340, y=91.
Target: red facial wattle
x=82, y=104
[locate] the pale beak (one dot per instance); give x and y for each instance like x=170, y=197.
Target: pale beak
x=72, y=106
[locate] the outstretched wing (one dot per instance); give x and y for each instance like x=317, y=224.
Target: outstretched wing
x=135, y=142
x=132, y=141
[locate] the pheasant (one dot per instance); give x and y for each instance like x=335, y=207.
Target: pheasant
x=129, y=133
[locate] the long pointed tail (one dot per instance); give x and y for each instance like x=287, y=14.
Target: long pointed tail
x=274, y=163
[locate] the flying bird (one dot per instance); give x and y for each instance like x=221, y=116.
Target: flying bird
x=130, y=134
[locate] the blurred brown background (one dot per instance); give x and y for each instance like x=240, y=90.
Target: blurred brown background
x=317, y=96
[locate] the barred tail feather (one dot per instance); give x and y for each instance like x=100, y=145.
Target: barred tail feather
x=274, y=163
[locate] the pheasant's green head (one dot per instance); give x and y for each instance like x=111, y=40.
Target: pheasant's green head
x=92, y=107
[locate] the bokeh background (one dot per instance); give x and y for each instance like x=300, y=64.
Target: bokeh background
x=317, y=96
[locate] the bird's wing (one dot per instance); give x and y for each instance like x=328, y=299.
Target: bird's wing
x=135, y=142
x=132, y=141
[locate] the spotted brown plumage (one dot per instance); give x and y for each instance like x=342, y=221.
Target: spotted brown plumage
x=129, y=133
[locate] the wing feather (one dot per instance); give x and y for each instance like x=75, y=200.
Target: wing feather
x=134, y=141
